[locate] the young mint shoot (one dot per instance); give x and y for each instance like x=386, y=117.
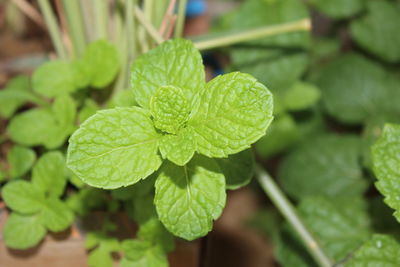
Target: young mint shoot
x=183, y=125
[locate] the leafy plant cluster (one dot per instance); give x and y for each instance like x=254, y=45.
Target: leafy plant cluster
x=334, y=90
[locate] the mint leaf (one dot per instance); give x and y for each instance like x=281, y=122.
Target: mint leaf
x=169, y=108
x=143, y=254
x=23, y=231
x=153, y=231
x=49, y=174
x=89, y=108
x=20, y=160
x=234, y=112
x=377, y=31
x=64, y=111
x=386, y=164
x=54, y=78
x=21, y=196
x=326, y=165
x=123, y=98
x=363, y=100
x=102, y=62
x=175, y=62
x=339, y=9
x=238, y=169
x=114, y=148
x=301, y=96
x=100, y=257
x=276, y=61
x=340, y=225
x=56, y=215
x=178, y=148
x=380, y=250
x=189, y=198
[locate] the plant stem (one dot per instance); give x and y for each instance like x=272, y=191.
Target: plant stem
x=130, y=28
x=181, y=19
x=288, y=211
x=148, y=26
x=75, y=25
x=101, y=17
x=301, y=25
x=54, y=30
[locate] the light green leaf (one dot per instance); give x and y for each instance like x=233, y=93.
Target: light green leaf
x=169, y=108
x=234, y=112
x=100, y=257
x=56, y=215
x=378, y=30
x=54, y=78
x=143, y=254
x=154, y=231
x=326, y=165
x=380, y=250
x=123, y=98
x=114, y=148
x=89, y=108
x=102, y=62
x=276, y=61
x=21, y=196
x=20, y=160
x=64, y=111
x=178, y=148
x=301, y=96
x=386, y=164
x=175, y=62
x=339, y=9
x=49, y=173
x=23, y=231
x=189, y=198
x=355, y=89
x=340, y=225
x=238, y=169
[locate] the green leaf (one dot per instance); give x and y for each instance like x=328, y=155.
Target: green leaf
x=175, y=62
x=143, y=254
x=23, y=231
x=102, y=62
x=355, y=89
x=54, y=78
x=339, y=9
x=178, y=148
x=377, y=31
x=234, y=112
x=16, y=94
x=301, y=96
x=123, y=98
x=326, y=165
x=189, y=198
x=154, y=231
x=276, y=61
x=20, y=160
x=386, y=164
x=340, y=225
x=89, y=108
x=64, y=111
x=100, y=257
x=56, y=215
x=238, y=169
x=21, y=196
x=169, y=108
x=49, y=173
x=380, y=250
x=114, y=148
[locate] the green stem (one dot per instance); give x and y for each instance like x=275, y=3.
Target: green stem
x=301, y=25
x=75, y=25
x=288, y=211
x=180, y=23
x=101, y=17
x=88, y=21
x=130, y=28
x=54, y=30
x=148, y=26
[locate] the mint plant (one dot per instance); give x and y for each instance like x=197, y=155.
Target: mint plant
x=182, y=124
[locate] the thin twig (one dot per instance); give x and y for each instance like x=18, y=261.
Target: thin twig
x=180, y=22
x=288, y=211
x=300, y=25
x=64, y=27
x=167, y=17
x=30, y=12
x=148, y=26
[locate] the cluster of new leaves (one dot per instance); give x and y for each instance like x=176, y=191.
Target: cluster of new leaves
x=180, y=125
